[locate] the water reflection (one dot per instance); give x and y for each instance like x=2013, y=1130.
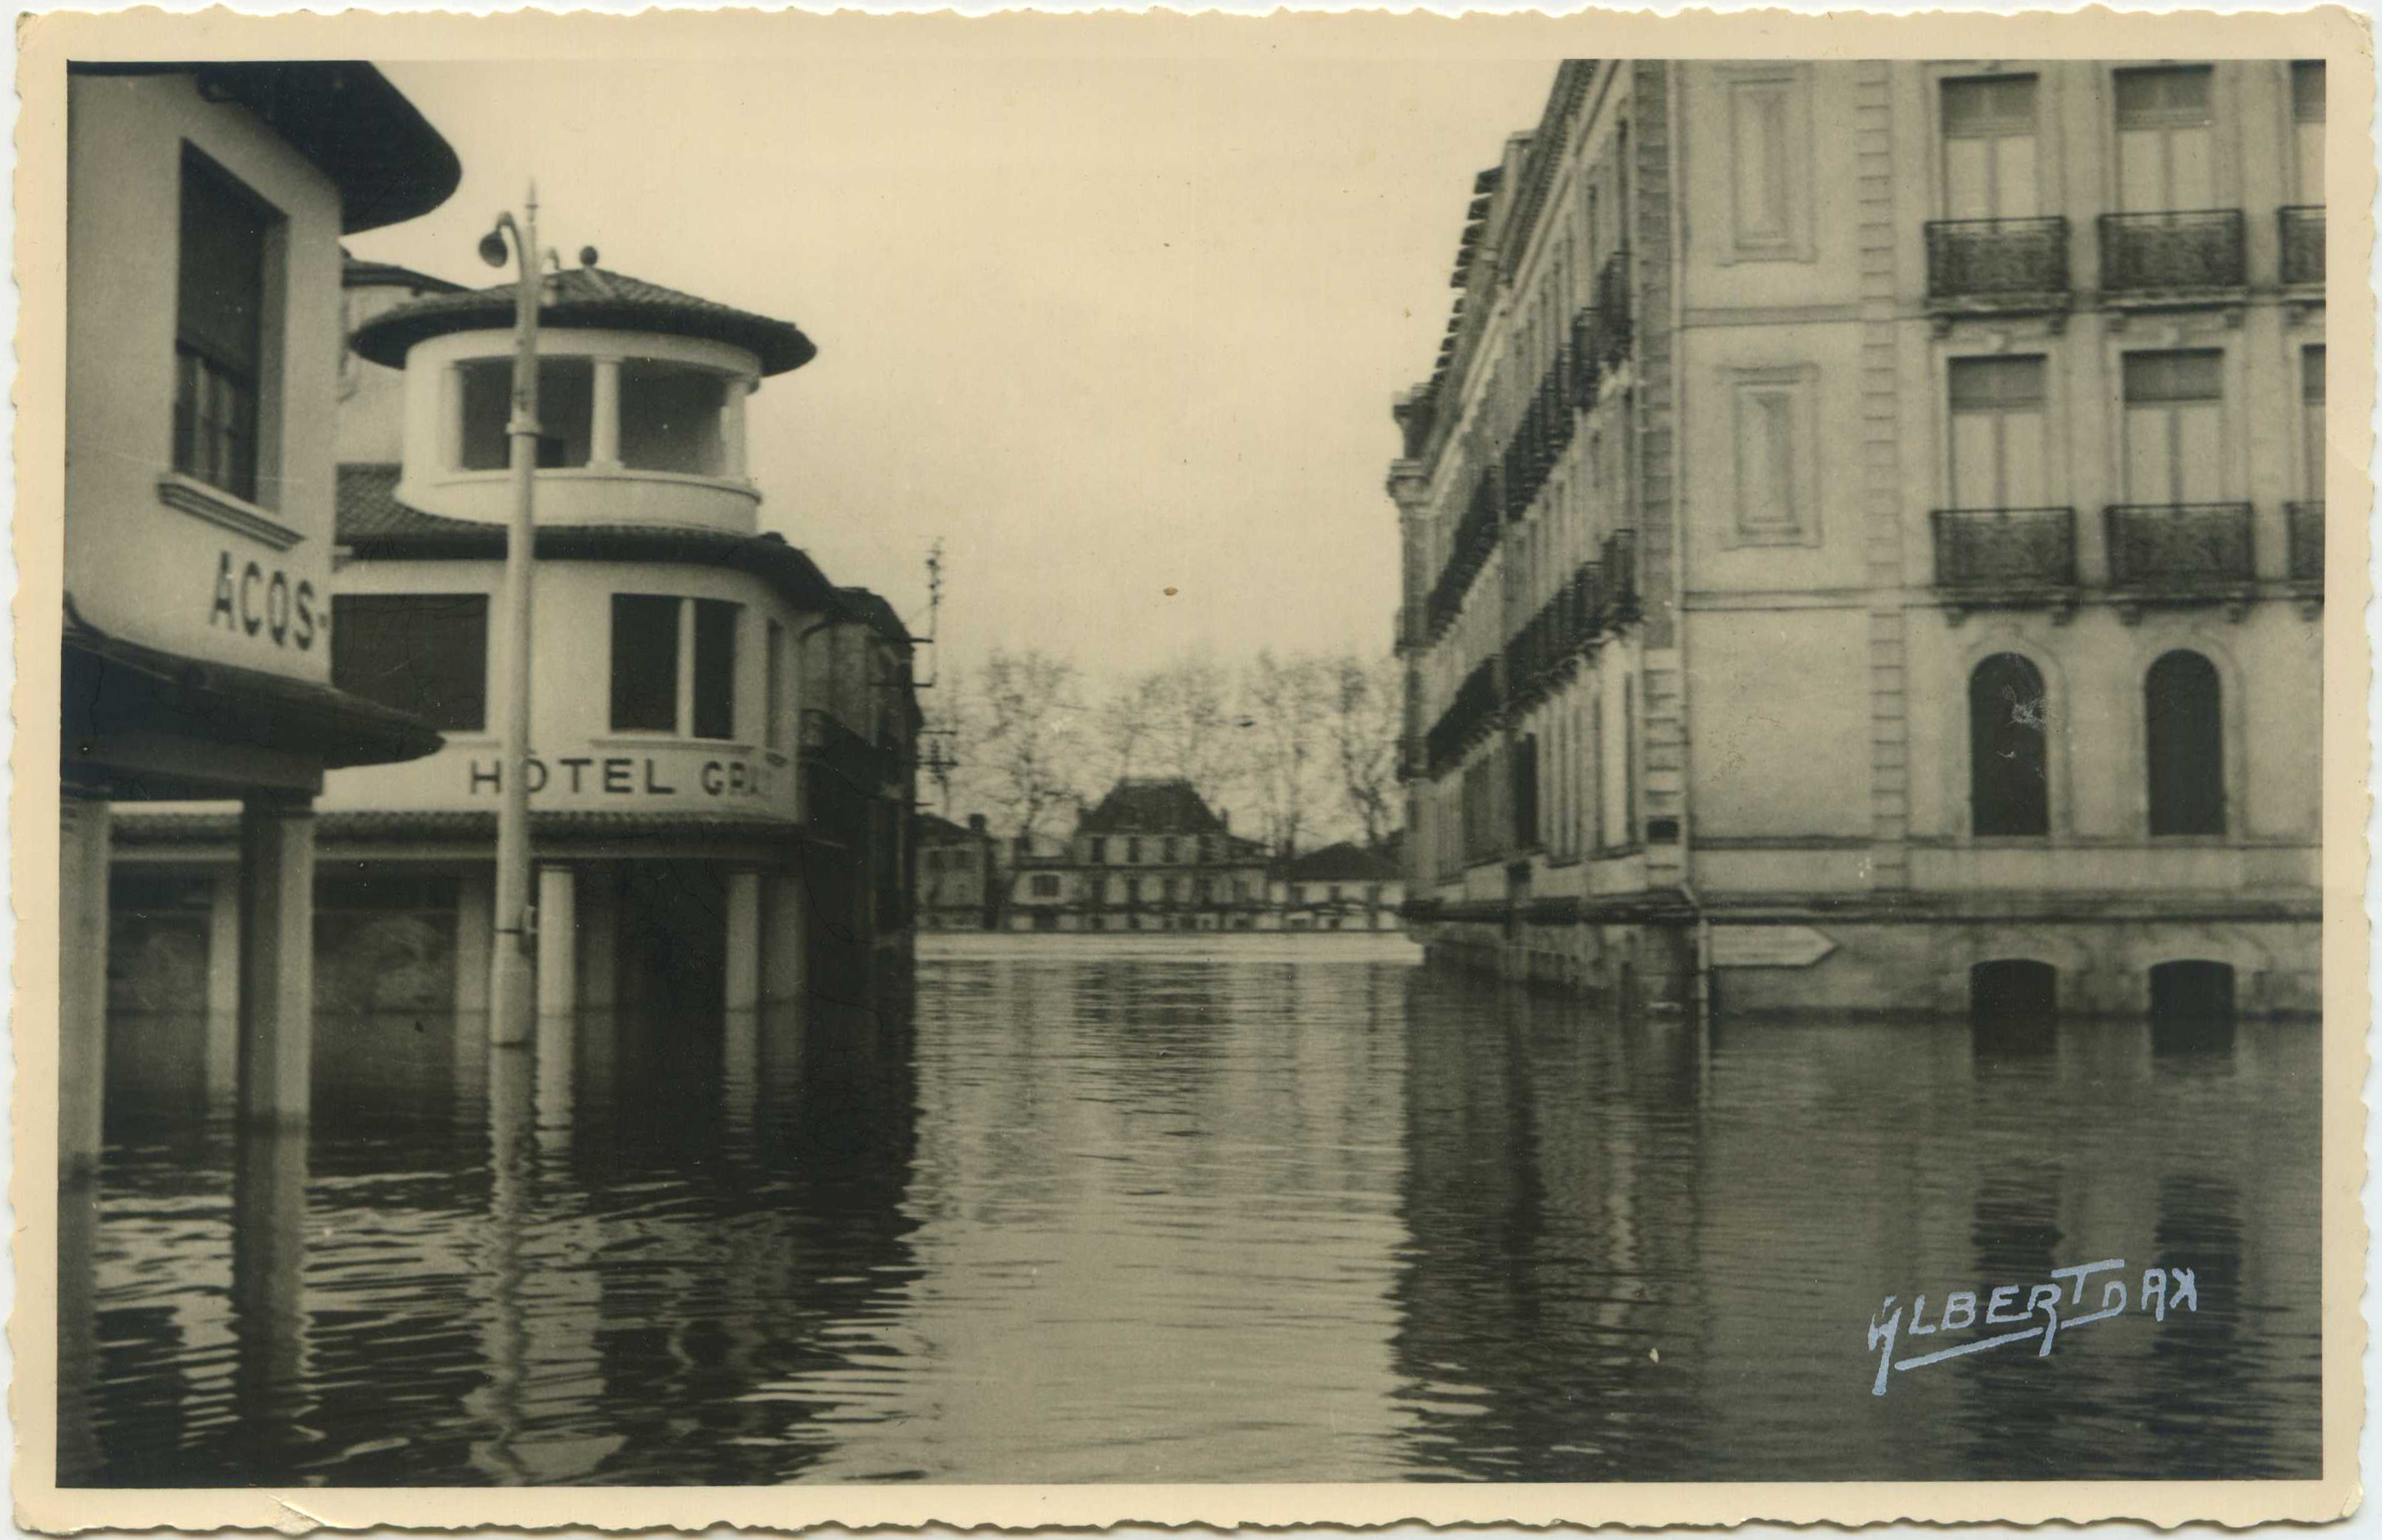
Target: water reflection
x=1178, y=1214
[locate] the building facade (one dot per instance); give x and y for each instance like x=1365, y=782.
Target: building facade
x=956, y=874
x=1151, y=856
x=204, y=211
x=719, y=758
x=1864, y=539
x=1342, y=887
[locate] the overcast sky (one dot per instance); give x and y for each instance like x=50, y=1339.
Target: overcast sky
x=1108, y=327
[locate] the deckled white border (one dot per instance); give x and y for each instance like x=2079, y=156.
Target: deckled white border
x=399, y=29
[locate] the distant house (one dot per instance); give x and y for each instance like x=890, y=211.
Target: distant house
x=956, y=875
x=1151, y=856
x=1341, y=888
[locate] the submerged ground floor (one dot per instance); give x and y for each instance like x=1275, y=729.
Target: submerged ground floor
x=2078, y=955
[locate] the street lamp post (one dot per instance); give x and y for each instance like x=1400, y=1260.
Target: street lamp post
x=511, y=979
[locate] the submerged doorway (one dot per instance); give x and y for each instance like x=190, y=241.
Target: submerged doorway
x=2013, y=1007
x=2192, y=1007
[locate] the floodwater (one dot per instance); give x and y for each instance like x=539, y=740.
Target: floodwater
x=1169, y=1210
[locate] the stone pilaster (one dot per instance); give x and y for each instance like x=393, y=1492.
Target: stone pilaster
x=1881, y=477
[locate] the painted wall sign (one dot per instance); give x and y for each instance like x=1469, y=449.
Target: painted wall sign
x=258, y=601
x=627, y=775
x=1768, y=945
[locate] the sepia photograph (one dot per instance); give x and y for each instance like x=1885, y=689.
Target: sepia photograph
x=1190, y=754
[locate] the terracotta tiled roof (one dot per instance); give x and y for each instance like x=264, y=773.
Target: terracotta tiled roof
x=587, y=297
x=1137, y=806
x=368, y=508
x=360, y=273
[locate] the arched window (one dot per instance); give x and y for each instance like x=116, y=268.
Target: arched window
x=2183, y=711
x=2009, y=787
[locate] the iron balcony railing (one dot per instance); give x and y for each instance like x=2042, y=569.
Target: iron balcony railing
x=2181, y=548
x=1997, y=259
x=2166, y=253
x=2306, y=521
x=2303, y=242
x=1467, y=717
x=1613, y=320
x=2005, y=550
x=1476, y=537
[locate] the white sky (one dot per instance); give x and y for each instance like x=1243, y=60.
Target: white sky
x=1105, y=326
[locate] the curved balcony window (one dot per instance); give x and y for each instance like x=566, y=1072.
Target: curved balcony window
x=566, y=413
x=672, y=418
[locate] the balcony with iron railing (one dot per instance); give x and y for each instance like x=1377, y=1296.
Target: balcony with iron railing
x=1614, y=329
x=1998, y=264
x=2305, y=522
x=1476, y=537
x=2180, y=551
x=1468, y=717
x=2005, y=557
x=2173, y=255
x=2302, y=228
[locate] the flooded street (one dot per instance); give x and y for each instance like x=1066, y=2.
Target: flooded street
x=1189, y=1210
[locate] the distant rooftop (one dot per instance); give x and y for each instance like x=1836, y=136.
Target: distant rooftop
x=1342, y=862
x=1151, y=805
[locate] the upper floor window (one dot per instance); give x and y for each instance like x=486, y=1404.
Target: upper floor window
x=1167, y=851
x=2307, y=126
x=426, y=654
x=1045, y=886
x=1099, y=854
x=674, y=666
x=2312, y=410
x=1989, y=148
x=672, y=418
x=1997, y=432
x=1133, y=850
x=2174, y=421
x=2164, y=142
x=223, y=346
x=566, y=413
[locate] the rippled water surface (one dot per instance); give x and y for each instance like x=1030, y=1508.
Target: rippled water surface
x=1109, y=1211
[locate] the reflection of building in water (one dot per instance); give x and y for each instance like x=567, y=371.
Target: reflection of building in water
x=1886, y=497
x=721, y=748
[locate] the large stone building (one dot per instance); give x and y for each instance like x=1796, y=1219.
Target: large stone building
x=1151, y=856
x=1865, y=538
x=721, y=767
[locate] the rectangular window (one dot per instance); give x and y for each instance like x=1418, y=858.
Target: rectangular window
x=1168, y=853
x=2307, y=127
x=1989, y=154
x=1099, y=850
x=426, y=654
x=2165, y=139
x=2312, y=410
x=1133, y=850
x=645, y=663
x=220, y=363
x=566, y=413
x=1997, y=432
x=773, y=703
x=1046, y=887
x=715, y=667
x=2175, y=427
x=671, y=418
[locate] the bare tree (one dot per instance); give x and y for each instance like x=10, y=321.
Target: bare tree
x=1195, y=731
x=1366, y=714
x=1287, y=699
x=1123, y=724
x=1030, y=738
x=947, y=742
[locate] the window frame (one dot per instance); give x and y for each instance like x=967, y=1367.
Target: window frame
x=686, y=664
x=1946, y=134
x=258, y=482
x=2000, y=412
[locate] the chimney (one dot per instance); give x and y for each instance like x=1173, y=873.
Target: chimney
x=1224, y=816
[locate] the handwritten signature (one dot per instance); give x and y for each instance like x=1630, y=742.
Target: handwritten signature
x=2163, y=1289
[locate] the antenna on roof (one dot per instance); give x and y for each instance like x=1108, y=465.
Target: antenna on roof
x=934, y=606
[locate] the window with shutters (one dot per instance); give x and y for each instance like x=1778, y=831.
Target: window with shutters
x=2307, y=128
x=1997, y=432
x=225, y=333
x=2175, y=427
x=1989, y=148
x=2312, y=431
x=2166, y=148
x=425, y=654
